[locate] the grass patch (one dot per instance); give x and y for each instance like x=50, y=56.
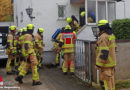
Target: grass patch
x=123, y=84
x=120, y=84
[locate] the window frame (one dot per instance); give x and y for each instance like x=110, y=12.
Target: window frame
x=64, y=16
x=97, y=19
x=114, y=10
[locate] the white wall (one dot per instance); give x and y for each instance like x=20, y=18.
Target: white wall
x=19, y=7
x=46, y=13
x=122, y=9
x=127, y=4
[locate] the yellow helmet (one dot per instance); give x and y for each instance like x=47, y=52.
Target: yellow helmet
x=41, y=30
x=12, y=28
x=82, y=14
x=74, y=32
x=67, y=27
x=69, y=20
x=30, y=26
x=21, y=30
x=102, y=22
x=24, y=29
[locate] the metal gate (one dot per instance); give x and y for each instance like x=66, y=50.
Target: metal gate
x=84, y=61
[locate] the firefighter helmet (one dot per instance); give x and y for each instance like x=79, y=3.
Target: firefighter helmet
x=12, y=28
x=41, y=30
x=69, y=20
x=102, y=22
x=24, y=29
x=21, y=30
x=30, y=26
x=82, y=14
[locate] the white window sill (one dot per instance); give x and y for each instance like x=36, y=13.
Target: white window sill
x=60, y=19
x=91, y=24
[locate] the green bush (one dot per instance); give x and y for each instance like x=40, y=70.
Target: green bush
x=121, y=28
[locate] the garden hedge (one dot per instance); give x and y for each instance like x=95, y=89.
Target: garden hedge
x=121, y=28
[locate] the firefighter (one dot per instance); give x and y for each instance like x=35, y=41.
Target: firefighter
x=17, y=60
x=105, y=55
x=11, y=49
x=22, y=54
x=66, y=41
x=39, y=46
x=57, y=50
x=82, y=14
x=73, y=22
x=30, y=58
x=82, y=19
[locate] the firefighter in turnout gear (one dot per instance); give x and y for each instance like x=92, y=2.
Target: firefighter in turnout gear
x=17, y=60
x=21, y=42
x=73, y=22
x=30, y=58
x=39, y=46
x=57, y=50
x=105, y=55
x=66, y=41
x=11, y=49
x=56, y=47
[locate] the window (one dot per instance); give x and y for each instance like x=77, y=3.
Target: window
x=91, y=11
x=112, y=11
x=61, y=11
x=100, y=9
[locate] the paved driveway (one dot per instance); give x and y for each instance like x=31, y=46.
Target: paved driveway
x=52, y=79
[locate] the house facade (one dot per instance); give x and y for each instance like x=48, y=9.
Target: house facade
x=52, y=14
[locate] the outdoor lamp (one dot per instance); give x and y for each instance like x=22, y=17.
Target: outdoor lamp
x=29, y=12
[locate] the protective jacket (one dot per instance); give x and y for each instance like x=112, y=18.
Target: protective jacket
x=68, y=41
x=28, y=44
x=105, y=52
x=11, y=44
x=39, y=41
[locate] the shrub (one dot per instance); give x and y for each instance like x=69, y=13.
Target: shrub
x=121, y=28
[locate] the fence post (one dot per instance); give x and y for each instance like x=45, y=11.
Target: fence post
x=90, y=63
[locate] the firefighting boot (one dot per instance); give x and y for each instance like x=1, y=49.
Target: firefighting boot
x=36, y=83
x=19, y=79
